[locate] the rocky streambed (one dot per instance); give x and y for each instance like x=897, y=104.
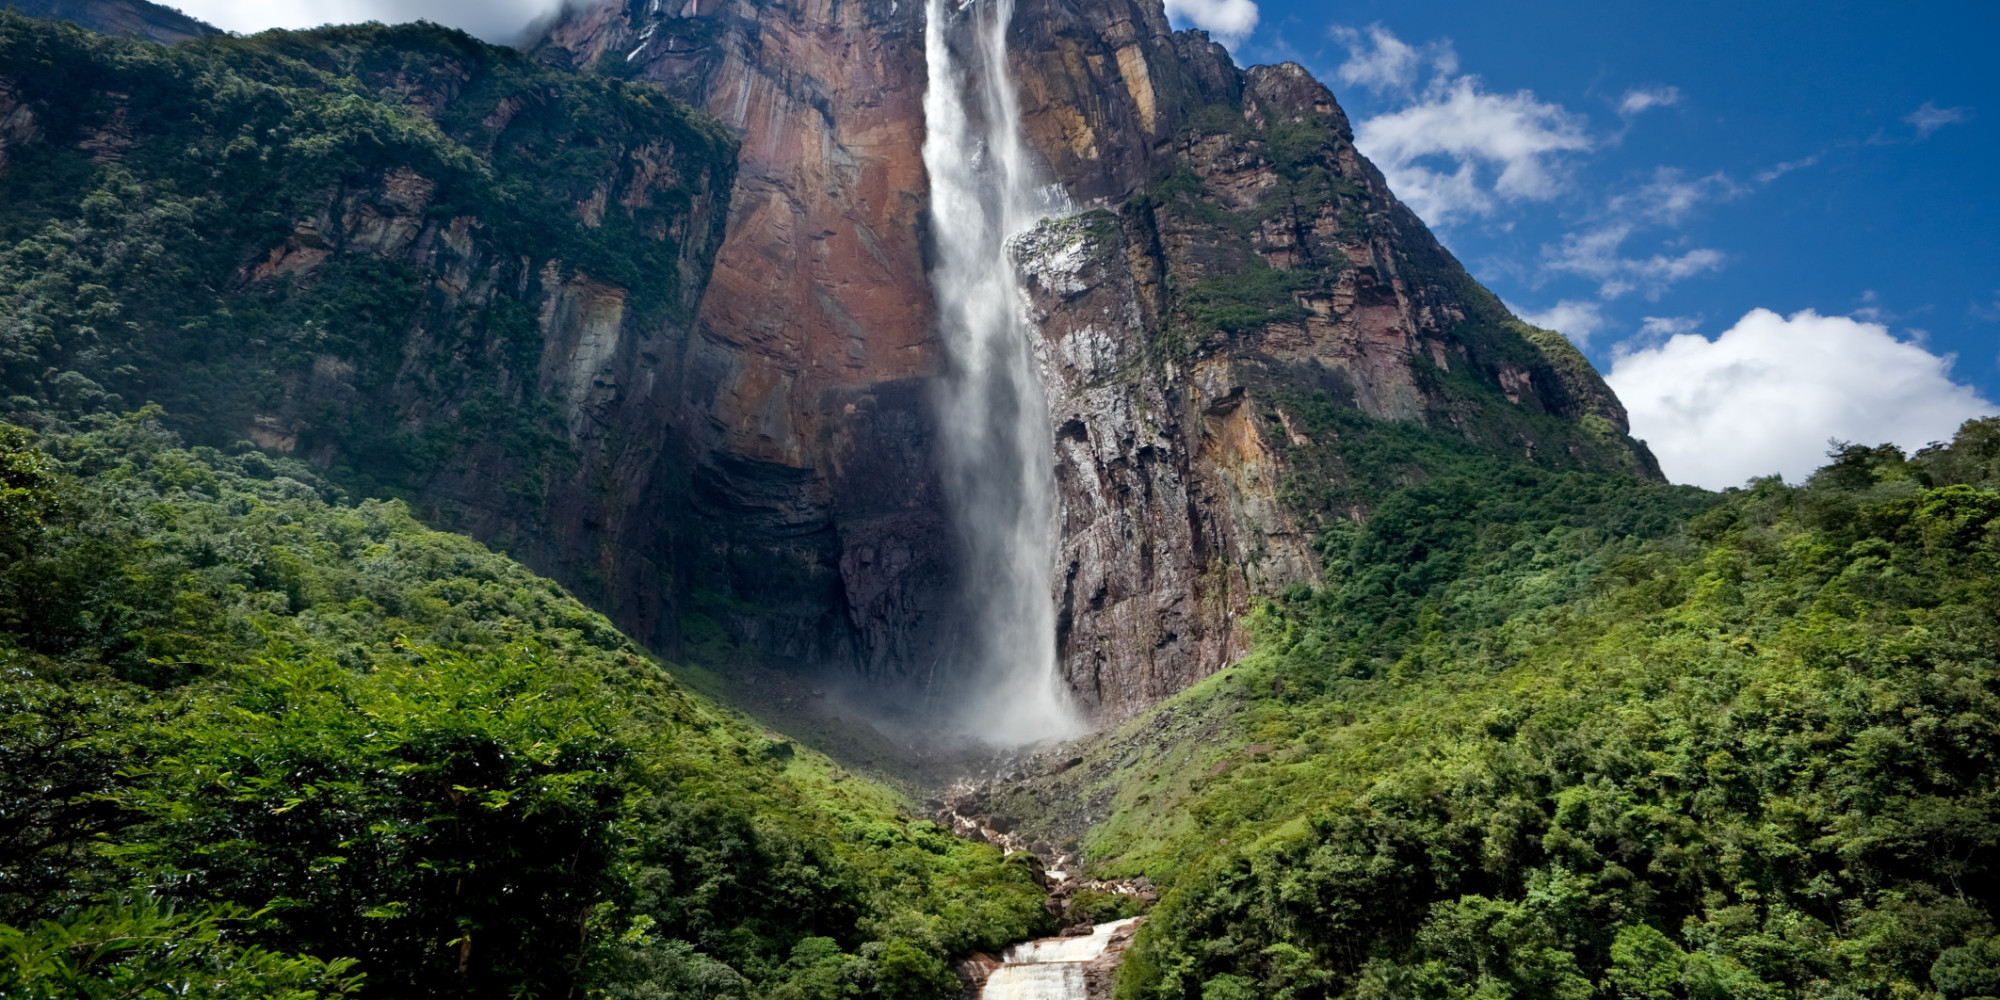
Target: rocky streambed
x=1071, y=967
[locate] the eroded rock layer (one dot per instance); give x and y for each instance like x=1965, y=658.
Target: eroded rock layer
x=686, y=361
x=1237, y=253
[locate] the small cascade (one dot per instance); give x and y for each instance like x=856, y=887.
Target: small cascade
x=1056, y=968
x=998, y=450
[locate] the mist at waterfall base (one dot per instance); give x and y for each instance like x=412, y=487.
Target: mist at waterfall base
x=998, y=454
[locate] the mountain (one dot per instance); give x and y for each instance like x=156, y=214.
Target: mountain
x=700, y=385
x=1256, y=269
x=130, y=18
x=432, y=267
x=1407, y=675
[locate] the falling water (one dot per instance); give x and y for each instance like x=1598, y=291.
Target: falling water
x=998, y=453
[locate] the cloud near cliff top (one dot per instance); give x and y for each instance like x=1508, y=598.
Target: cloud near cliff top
x=493, y=20
x=1227, y=20
x=1765, y=396
x=1456, y=149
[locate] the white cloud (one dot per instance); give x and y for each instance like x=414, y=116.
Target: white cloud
x=1228, y=20
x=1595, y=254
x=1642, y=99
x=1930, y=118
x=1439, y=152
x=1653, y=329
x=493, y=20
x=1767, y=176
x=1383, y=63
x=1576, y=320
x=1667, y=199
x=1766, y=395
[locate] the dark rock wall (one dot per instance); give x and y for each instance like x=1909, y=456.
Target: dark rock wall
x=813, y=352
x=807, y=395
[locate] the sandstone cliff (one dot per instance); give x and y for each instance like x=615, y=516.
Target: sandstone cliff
x=685, y=361
x=1241, y=254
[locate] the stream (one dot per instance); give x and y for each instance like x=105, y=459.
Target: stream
x=1054, y=968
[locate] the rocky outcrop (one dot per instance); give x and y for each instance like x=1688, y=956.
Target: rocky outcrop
x=557, y=387
x=131, y=18
x=1271, y=265
x=1239, y=256
x=693, y=375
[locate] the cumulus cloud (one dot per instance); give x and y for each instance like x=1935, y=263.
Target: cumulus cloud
x=1576, y=320
x=1229, y=20
x=493, y=20
x=1929, y=118
x=1383, y=63
x=1461, y=149
x=1642, y=99
x=1766, y=395
x=1454, y=148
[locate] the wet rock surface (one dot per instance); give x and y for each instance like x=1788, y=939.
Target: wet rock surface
x=1081, y=966
x=813, y=362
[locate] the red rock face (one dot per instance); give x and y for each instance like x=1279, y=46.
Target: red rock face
x=808, y=377
x=806, y=384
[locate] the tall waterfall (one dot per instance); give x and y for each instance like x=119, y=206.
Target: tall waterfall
x=999, y=457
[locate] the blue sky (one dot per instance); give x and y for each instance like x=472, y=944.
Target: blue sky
x=1769, y=223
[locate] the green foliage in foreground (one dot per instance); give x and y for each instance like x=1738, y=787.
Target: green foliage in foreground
x=1532, y=747
x=256, y=742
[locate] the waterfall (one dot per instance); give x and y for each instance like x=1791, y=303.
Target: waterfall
x=998, y=454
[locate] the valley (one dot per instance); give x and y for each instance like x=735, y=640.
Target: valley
x=800, y=500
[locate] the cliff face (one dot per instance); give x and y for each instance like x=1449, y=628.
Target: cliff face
x=436, y=269
x=808, y=395
x=1240, y=260
x=1186, y=335
x=690, y=369
x=131, y=18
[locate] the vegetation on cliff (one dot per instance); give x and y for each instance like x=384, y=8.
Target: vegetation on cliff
x=258, y=741
x=1555, y=735
x=213, y=226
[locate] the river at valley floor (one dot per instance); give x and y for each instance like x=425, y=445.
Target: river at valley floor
x=1060, y=968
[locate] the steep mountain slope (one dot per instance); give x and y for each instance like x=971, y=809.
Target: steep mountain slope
x=431, y=267
x=131, y=18
x=1244, y=255
x=692, y=375
x=694, y=378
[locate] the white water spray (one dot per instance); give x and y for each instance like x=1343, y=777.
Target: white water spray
x=999, y=458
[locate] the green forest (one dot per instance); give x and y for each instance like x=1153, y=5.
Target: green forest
x=1562, y=736
x=257, y=740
